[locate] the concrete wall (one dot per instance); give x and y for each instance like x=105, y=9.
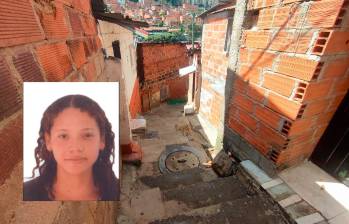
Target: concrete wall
x=110, y=32
x=292, y=75
x=45, y=41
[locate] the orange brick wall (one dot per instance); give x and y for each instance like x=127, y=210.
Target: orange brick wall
x=292, y=75
x=41, y=41
x=214, y=62
x=135, y=106
x=158, y=68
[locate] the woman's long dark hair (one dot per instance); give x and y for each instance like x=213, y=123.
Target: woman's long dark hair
x=103, y=175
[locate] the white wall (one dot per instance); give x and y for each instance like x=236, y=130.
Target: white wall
x=110, y=32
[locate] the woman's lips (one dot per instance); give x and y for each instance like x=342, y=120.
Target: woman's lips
x=76, y=159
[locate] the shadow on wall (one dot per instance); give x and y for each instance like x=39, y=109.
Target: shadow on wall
x=281, y=104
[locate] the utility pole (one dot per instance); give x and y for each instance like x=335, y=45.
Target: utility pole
x=192, y=30
x=235, y=37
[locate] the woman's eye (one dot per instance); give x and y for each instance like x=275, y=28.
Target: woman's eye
x=88, y=135
x=63, y=136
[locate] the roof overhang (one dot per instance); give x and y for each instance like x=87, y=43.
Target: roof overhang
x=222, y=6
x=119, y=19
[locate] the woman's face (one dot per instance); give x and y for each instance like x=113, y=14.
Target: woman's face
x=75, y=141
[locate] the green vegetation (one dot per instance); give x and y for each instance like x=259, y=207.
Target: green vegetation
x=165, y=38
x=197, y=31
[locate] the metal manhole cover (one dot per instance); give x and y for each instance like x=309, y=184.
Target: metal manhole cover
x=180, y=157
x=181, y=160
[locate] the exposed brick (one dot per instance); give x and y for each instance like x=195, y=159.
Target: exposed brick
x=54, y=60
x=325, y=13
x=284, y=106
x=75, y=23
x=27, y=67
x=89, y=25
x=265, y=18
x=303, y=41
x=82, y=5
x=268, y=117
x=274, y=138
x=295, y=154
x=336, y=68
x=319, y=132
x=239, y=85
x=18, y=24
x=300, y=126
x=271, y=2
x=290, y=41
x=315, y=108
x=250, y=73
x=236, y=126
x=256, y=92
x=254, y=4
x=262, y=59
x=243, y=102
x=290, y=1
x=282, y=41
x=243, y=55
x=178, y=87
x=233, y=112
x=332, y=42
x=66, y=2
x=335, y=102
x=11, y=144
x=90, y=46
x=77, y=51
x=317, y=90
x=287, y=16
x=257, y=39
x=247, y=120
x=306, y=136
x=90, y=72
x=324, y=118
x=299, y=68
x=340, y=86
x=53, y=22
x=278, y=83
x=135, y=101
x=9, y=97
x=257, y=142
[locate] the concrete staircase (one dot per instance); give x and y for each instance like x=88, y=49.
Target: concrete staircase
x=199, y=196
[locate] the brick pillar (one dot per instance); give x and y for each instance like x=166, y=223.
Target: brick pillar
x=292, y=75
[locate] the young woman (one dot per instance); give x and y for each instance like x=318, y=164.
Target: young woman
x=75, y=153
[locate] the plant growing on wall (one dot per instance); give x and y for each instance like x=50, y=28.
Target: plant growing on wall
x=165, y=38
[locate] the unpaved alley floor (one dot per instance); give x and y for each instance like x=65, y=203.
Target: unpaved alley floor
x=191, y=195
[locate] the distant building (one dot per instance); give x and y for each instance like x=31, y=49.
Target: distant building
x=122, y=2
x=172, y=20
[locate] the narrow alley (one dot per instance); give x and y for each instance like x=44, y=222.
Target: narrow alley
x=192, y=194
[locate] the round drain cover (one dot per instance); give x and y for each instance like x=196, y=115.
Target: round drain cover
x=181, y=160
x=176, y=158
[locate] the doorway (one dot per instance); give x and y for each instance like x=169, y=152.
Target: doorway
x=332, y=151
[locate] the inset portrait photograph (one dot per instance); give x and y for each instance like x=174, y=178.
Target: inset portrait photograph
x=71, y=141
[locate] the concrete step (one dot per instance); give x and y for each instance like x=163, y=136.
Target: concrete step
x=203, y=194
x=180, y=179
x=248, y=210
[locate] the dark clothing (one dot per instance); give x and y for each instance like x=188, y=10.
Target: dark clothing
x=34, y=190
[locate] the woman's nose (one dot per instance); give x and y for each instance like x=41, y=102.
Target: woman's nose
x=75, y=145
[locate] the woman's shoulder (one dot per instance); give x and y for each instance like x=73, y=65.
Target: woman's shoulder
x=34, y=190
